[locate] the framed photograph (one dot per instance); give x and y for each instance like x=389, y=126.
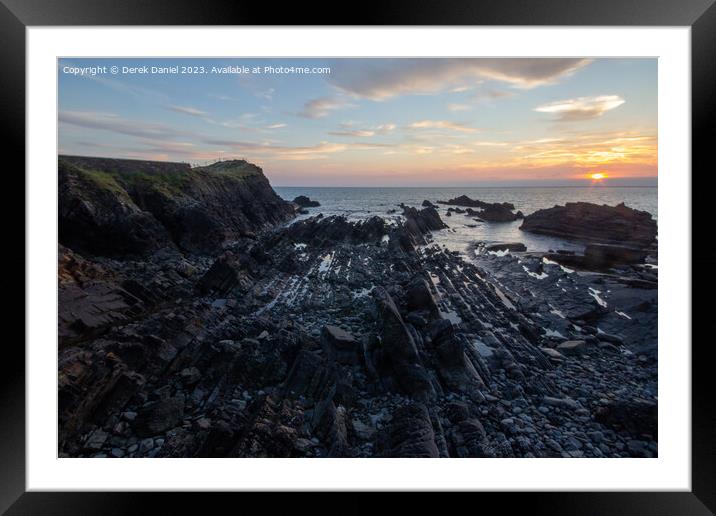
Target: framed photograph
x=445, y=250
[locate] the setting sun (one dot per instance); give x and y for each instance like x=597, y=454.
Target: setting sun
x=598, y=176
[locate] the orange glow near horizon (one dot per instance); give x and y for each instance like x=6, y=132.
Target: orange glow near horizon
x=598, y=176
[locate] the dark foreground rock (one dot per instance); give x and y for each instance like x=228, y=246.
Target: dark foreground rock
x=614, y=225
x=305, y=202
x=330, y=338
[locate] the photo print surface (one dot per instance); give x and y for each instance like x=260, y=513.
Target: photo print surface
x=283, y=257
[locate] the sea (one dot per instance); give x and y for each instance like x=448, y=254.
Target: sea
x=357, y=203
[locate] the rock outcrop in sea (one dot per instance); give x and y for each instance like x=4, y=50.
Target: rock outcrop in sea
x=305, y=202
x=243, y=335
x=490, y=212
x=611, y=225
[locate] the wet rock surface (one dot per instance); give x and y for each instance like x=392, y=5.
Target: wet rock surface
x=330, y=338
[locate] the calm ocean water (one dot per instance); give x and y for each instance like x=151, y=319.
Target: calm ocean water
x=360, y=203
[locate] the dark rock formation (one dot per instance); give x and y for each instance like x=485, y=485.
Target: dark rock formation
x=615, y=225
x=498, y=213
x=113, y=207
x=464, y=200
x=489, y=212
x=325, y=231
x=396, y=356
x=305, y=202
x=418, y=223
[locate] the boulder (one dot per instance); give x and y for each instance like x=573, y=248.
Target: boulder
x=340, y=345
x=572, y=347
x=552, y=353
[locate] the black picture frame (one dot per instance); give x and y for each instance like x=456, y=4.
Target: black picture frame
x=700, y=15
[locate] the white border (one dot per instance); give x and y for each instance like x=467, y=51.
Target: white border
x=671, y=470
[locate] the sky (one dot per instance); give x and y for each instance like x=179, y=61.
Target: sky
x=373, y=122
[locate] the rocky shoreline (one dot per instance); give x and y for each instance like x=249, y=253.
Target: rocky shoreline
x=249, y=337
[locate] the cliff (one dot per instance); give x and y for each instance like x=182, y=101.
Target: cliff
x=118, y=207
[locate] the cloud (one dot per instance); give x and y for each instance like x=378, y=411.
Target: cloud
x=357, y=133
x=187, y=110
x=116, y=124
x=225, y=98
x=320, y=107
x=275, y=126
x=491, y=94
x=459, y=107
x=442, y=124
x=589, y=149
x=379, y=79
x=265, y=94
x=385, y=128
x=582, y=108
x=294, y=153
x=484, y=143
x=347, y=130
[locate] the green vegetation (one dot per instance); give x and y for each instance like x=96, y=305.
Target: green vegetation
x=238, y=169
x=103, y=180
x=121, y=175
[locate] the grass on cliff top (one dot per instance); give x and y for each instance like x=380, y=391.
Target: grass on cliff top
x=171, y=183
x=118, y=176
x=238, y=169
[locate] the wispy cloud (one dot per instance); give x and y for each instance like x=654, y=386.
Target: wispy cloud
x=491, y=94
x=442, y=124
x=321, y=107
x=114, y=123
x=582, y=108
x=357, y=132
x=349, y=129
x=187, y=110
x=459, y=107
x=380, y=79
x=486, y=143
